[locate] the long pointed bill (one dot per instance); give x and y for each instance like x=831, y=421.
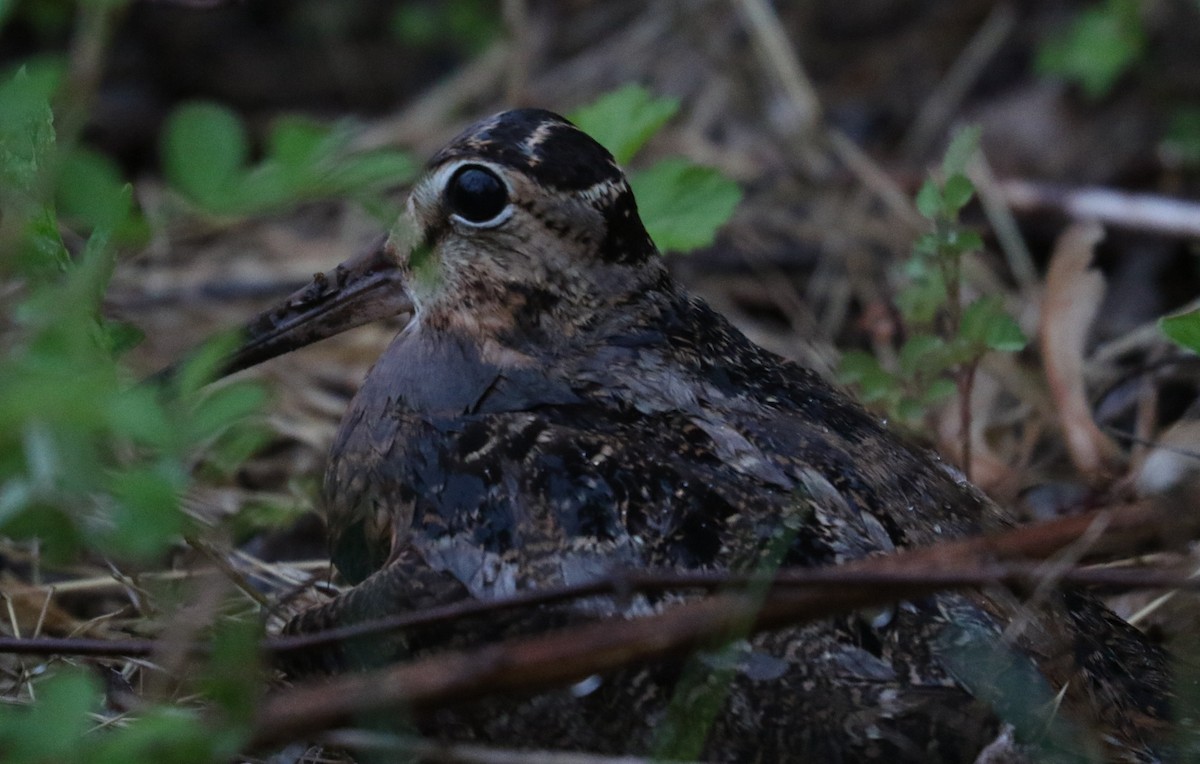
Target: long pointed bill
x=365, y=288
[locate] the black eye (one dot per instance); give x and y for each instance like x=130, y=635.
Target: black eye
x=475, y=194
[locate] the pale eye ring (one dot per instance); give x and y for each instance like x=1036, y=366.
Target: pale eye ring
x=477, y=196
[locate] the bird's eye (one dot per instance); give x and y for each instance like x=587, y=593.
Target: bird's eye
x=476, y=195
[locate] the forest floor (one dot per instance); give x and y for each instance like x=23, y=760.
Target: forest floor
x=830, y=137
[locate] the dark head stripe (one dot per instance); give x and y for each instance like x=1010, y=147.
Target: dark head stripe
x=539, y=143
x=626, y=240
x=560, y=157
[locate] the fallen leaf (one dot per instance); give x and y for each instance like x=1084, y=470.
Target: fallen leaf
x=1072, y=297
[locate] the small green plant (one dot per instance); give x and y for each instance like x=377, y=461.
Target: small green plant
x=206, y=153
x=93, y=463
x=88, y=459
x=1102, y=44
x=681, y=203
x=945, y=338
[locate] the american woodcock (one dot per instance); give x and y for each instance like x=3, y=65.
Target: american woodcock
x=558, y=409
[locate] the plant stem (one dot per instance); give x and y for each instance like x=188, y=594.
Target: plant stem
x=965, y=379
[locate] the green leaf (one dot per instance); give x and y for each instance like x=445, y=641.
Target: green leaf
x=962, y=147
x=223, y=407
x=371, y=170
x=920, y=301
x=204, y=365
x=147, y=519
x=267, y=187
x=922, y=356
x=1101, y=45
x=301, y=142
x=305, y=161
x=956, y=193
x=233, y=677
x=166, y=733
x=910, y=411
x=929, y=200
x=1005, y=335
x=137, y=414
x=122, y=337
x=26, y=129
x=924, y=249
x=90, y=188
x=985, y=325
x=939, y=390
x=53, y=728
x=682, y=204
x=235, y=445
x=623, y=120
x=205, y=149
x=863, y=370
x=965, y=240
x=1183, y=330
x=58, y=534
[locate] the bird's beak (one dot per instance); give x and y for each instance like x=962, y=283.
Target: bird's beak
x=360, y=290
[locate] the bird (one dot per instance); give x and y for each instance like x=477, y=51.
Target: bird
x=558, y=409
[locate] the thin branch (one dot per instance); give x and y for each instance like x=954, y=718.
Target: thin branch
x=1144, y=212
x=946, y=98
x=1016, y=574
x=1011, y=558
x=1004, y=224
x=782, y=63
x=463, y=753
x=516, y=78
x=537, y=662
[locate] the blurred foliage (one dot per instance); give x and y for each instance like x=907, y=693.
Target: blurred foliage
x=945, y=339
x=1183, y=330
x=682, y=204
x=1182, y=141
x=61, y=725
x=625, y=119
x=88, y=459
x=94, y=463
x=206, y=151
x=1101, y=44
x=467, y=26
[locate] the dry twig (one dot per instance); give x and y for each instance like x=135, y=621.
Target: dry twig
x=1143, y=212
x=532, y=663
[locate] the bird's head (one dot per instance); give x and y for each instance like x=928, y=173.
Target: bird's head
x=522, y=219
x=523, y=226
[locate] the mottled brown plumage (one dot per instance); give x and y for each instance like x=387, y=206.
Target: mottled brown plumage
x=559, y=408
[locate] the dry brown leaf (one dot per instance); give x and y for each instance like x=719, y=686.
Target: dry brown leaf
x=35, y=611
x=1072, y=297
